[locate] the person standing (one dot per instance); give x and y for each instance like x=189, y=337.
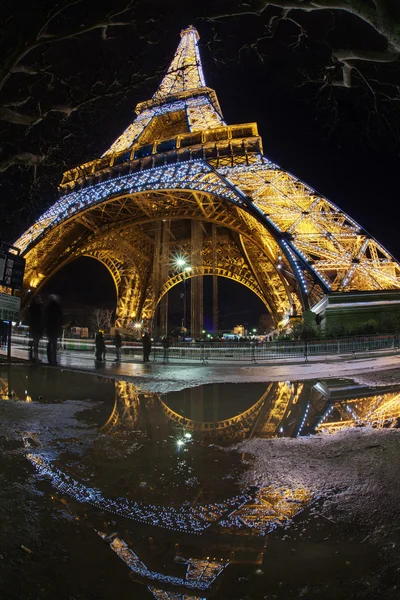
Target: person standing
x=53, y=319
x=100, y=345
x=3, y=334
x=35, y=327
x=118, y=345
x=166, y=342
x=146, y=341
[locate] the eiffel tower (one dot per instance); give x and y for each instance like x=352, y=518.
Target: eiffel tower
x=181, y=187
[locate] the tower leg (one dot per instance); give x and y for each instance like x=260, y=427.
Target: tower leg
x=196, y=299
x=165, y=260
x=215, y=279
x=128, y=301
x=164, y=315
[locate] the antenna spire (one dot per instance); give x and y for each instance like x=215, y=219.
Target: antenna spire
x=185, y=71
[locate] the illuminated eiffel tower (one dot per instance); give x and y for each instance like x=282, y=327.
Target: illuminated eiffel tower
x=180, y=183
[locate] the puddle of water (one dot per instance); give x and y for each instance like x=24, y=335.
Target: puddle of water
x=226, y=411
x=156, y=476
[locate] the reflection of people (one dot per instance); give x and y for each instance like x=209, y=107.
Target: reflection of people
x=35, y=327
x=53, y=318
x=100, y=345
x=118, y=344
x=146, y=341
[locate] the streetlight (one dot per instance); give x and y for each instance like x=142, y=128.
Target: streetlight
x=180, y=263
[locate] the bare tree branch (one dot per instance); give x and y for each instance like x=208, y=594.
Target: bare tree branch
x=25, y=159
x=12, y=116
x=44, y=37
x=377, y=14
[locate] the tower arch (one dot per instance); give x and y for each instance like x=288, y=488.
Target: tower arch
x=213, y=272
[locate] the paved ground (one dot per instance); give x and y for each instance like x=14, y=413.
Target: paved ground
x=159, y=376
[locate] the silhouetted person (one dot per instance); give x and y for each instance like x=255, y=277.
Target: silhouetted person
x=35, y=327
x=166, y=342
x=118, y=345
x=146, y=341
x=53, y=319
x=3, y=333
x=100, y=345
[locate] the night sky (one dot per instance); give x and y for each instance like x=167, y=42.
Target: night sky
x=343, y=143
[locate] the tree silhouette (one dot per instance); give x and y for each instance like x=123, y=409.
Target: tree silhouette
x=381, y=44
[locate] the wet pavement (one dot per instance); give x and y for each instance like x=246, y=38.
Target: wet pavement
x=174, y=375
x=109, y=487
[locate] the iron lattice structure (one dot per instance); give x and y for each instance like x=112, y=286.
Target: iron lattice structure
x=179, y=180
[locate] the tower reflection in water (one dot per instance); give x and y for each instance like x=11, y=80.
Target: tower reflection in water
x=158, y=460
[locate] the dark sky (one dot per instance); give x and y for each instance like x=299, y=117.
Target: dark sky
x=344, y=143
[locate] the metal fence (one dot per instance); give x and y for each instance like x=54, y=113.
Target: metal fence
x=233, y=351
x=279, y=349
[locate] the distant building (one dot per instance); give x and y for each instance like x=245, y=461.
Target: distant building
x=239, y=330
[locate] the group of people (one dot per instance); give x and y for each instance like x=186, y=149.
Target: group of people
x=100, y=346
x=45, y=319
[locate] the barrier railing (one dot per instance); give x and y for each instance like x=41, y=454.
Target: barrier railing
x=278, y=349
x=231, y=351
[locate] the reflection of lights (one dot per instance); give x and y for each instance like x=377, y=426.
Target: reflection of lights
x=187, y=518
x=200, y=573
x=304, y=419
x=270, y=508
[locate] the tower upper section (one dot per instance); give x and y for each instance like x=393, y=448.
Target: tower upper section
x=185, y=71
x=182, y=103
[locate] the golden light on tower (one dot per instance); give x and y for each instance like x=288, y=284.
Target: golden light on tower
x=179, y=181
